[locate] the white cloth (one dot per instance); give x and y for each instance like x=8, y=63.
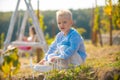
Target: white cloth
x=42, y=68
x=74, y=60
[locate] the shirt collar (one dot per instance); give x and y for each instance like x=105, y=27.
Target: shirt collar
x=71, y=29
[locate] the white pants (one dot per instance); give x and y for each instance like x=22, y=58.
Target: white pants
x=74, y=60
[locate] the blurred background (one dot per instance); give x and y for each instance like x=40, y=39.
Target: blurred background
x=98, y=21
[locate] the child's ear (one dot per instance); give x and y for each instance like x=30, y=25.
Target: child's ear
x=71, y=22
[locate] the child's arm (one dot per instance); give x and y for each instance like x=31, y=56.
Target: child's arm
x=42, y=61
x=53, y=46
x=75, y=41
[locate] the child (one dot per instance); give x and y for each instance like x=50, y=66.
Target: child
x=32, y=35
x=68, y=45
x=30, y=38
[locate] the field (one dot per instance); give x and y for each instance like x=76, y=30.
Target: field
x=103, y=63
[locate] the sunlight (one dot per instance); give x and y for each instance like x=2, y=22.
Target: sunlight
x=5, y=5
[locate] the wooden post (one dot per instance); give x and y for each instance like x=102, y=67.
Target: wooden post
x=39, y=53
x=110, y=17
x=38, y=50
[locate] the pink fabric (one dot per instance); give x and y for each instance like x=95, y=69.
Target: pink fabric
x=25, y=48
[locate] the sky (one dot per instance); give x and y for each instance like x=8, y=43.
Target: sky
x=10, y=5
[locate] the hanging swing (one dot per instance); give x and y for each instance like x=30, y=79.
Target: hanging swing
x=23, y=45
x=22, y=48
x=39, y=33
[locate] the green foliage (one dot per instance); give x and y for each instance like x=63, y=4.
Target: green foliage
x=117, y=61
x=48, y=39
x=42, y=25
x=108, y=7
x=116, y=15
x=105, y=25
x=76, y=73
x=81, y=30
x=81, y=17
x=99, y=61
x=11, y=64
x=96, y=19
x=108, y=12
x=112, y=11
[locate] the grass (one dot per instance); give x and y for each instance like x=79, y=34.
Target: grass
x=102, y=56
x=102, y=63
x=99, y=61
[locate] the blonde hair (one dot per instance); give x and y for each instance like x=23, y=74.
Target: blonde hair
x=64, y=13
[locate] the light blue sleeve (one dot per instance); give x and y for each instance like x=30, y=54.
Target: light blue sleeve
x=52, y=47
x=74, y=40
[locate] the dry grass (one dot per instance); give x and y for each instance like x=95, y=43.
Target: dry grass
x=100, y=58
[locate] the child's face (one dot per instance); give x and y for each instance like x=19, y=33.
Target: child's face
x=31, y=32
x=64, y=24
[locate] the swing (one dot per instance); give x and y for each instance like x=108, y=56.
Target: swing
x=22, y=45
x=42, y=43
x=23, y=48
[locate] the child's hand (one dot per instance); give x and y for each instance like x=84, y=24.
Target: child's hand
x=54, y=59
x=42, y=62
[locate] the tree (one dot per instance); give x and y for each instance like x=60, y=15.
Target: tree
x=96, y=26
x=1, y=40
x=116, y=15
x=108, y=12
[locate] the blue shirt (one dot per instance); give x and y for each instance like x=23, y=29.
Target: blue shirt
x=72, y=40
